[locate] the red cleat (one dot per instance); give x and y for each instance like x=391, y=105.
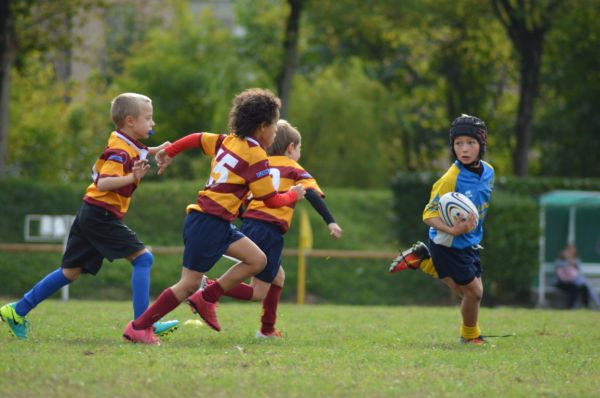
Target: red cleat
x=411, y=258
x=275, y=334
x=206, y=310
x=476, y=341
x=144, y=336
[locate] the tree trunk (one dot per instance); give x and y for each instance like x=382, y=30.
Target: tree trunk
x=526, y=24
x=531, y=56
x=290, y=47
x=6, y=62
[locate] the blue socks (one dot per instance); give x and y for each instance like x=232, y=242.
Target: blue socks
x=41, y=291
x=140, y=283
x=140, y=286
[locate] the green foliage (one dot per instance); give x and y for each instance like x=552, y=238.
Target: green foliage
x=36, y=146
x=393, y=74
x=511, y=256
x=568, y=121
x=341, y=126
x=328, y=351
x=260, y=33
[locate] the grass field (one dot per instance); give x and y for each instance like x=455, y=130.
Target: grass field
x=75, y=350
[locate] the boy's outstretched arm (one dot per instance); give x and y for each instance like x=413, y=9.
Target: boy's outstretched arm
x=294, y=194
x=153, y=150
x=139, y=170
x=318, y=203
x=165, y=155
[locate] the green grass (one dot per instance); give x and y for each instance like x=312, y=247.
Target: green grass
x=76, y=350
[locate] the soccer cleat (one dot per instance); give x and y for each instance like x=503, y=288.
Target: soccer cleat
x=276, y=334
x=144, y=336
x=164, y=328
x=206, y=310
x=18, y=326
x=475, y=341
x=410, y=258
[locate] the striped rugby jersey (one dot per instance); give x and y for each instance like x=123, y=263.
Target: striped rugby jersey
x=285, y=173
x=239, y=167
x=477, y=188
x=117, y=160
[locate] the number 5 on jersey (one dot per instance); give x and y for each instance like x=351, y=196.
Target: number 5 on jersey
x=220, y=173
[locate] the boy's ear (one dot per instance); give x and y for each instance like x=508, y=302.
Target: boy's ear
x=289, y=148
x=129, y=120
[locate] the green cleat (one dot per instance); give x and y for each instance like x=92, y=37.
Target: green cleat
x=18, y=326
x=164, y=328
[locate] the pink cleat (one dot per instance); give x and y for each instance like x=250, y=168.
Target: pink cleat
x=144, y=336
x=206, y=310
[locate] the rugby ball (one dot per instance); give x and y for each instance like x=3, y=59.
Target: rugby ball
x=456, y=206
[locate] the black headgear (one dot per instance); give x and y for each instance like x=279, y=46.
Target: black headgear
x=470, y=126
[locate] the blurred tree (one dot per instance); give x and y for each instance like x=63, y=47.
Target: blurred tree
x=31, y=25
x=290, y=50
x=568, y=120
x=527, y=23
x=7, y=58
x=192, y=72
x=339, y=114
x=435, y=59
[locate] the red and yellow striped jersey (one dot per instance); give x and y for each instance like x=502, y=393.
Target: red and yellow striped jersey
x=285, y=173
x=239, y=166
x=117, y=160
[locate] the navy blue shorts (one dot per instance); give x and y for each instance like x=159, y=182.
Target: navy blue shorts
x=462, y=265
x=269, y=238
x=206, y=238
x=96, y=234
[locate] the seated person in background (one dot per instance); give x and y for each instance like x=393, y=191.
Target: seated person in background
x=571, y=280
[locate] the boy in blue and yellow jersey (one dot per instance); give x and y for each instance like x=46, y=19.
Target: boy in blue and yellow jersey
x=239, y=167
x=98, y=231
x=453, y=251
x=266, y=226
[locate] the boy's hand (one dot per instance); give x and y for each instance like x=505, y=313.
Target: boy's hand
x=334, y=230
x=155, y=149
x=139, y=170
x=163, y=160
x=299, y=189
x=466, y=225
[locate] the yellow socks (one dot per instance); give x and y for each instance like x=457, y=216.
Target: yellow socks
x=470, y=332
x=427, y=267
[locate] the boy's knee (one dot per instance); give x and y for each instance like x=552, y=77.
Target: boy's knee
x=72, y=274
x=258, y=262
x=279, y=278
x=258, y=295
x=474, y=293
x=187, y=286
x=146, y=259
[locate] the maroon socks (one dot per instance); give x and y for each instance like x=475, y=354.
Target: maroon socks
x=164, y=304
x=269, y=315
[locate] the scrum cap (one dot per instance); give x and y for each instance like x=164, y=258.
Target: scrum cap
x=471, y=126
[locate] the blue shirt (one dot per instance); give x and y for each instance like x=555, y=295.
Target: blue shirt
x=476, y=187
